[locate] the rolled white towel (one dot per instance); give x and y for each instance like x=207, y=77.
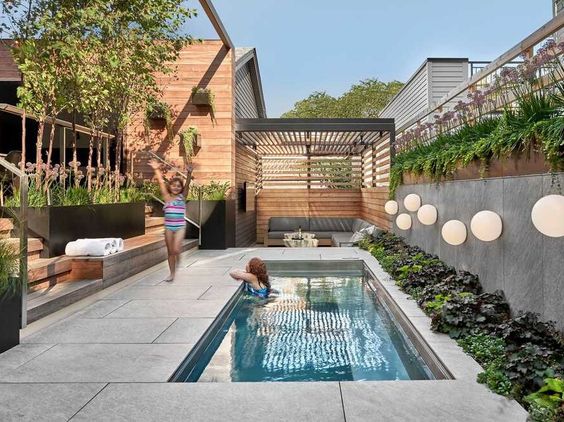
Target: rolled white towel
x=114, y=245
x=75, y=249
x=120, y=244
x=95, y=247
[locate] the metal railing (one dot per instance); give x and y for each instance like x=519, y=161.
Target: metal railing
x=23, y=231
x=198, y=225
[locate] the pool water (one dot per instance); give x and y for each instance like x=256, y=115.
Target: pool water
x=314, y=328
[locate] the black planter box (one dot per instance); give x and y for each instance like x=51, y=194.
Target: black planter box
x=11, y=317
x=218, y=223
x=59, y=225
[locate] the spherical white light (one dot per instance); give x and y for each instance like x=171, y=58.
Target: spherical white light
x=403, y=221
x=391, y=207
x=486, y=226
x=548, y=215
x=427, y=215
x=454, y=232
x=412, y=202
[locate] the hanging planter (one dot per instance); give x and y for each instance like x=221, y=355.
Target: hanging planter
x=203, y=97
x=191, y=141
x=158, y=111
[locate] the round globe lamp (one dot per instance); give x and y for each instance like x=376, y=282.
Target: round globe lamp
x=403, y=221
x=486, y=226
x=412, y=202
x=427, y=215
x=391, y=207
x=548, y=215
x=454, y=232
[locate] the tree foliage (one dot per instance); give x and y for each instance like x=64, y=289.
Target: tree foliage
x=363, y=100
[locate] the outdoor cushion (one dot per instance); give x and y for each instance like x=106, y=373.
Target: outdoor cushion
x=338, y=238
x=288, y=224
x=277, y=234
x=322, y=224
x=323, y=235
x=358, y=224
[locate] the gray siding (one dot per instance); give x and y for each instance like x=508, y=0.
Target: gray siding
x=411, y=100
x=444, y=76
x=526, y=265
x=245, y=100
x=432, y=82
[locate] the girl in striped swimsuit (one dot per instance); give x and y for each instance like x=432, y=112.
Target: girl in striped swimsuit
x=174, y=195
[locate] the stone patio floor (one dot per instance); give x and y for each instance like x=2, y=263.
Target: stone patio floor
x=108, y=358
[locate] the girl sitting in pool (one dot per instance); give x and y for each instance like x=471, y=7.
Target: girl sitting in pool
x=255, y=277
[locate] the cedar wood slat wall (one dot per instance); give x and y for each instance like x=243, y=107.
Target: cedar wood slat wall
x=8, y=69
x=209, y=65
x=246, y=222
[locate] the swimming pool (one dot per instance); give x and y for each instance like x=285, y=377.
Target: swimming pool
x=325, y=323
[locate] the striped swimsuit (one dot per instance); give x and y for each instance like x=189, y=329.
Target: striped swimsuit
x=174, y=213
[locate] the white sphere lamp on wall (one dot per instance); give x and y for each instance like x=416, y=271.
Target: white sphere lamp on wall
x=391, y=207
x=548, y=215
x=427, y=215
x=412, y=202
x=454, y=232
x=403, y=221
x=486, y=226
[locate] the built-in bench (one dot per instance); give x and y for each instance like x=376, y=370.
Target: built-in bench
x=329, y=231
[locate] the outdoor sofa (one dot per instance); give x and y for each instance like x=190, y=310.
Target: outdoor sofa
x=328, y=230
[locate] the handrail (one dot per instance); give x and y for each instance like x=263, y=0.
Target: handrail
x=550, y=28
x=16, y=111
x=23, y=179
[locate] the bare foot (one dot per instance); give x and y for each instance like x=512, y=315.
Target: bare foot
x=169, y=279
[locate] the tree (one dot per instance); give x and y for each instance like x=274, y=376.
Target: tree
x=363, y=100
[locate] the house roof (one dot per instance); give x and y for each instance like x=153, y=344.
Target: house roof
x=248, y=56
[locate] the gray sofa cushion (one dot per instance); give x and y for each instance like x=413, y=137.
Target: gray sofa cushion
x=339, y=238
x=359, y=224
x=277, y=234
x=322, y=224
x=288, y=224
x=323, y=235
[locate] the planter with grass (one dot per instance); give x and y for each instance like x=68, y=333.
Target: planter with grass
x=218, y=216
x=58, y=225
x=10, y=298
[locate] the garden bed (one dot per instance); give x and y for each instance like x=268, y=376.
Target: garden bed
x=523, y=357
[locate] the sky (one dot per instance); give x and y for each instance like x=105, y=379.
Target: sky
x=328, y=45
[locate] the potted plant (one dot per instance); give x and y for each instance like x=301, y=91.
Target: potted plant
x=10, y=298
x=190, y=139
x=158, y=110
x=218, y=215
x=203, y=97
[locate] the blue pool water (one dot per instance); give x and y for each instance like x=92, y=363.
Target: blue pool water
x=316, y=328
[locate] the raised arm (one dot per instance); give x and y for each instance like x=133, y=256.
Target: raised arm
x=164, y=190
x=242, y=275
x=189, y=169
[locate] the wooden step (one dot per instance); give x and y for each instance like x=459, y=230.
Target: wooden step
x=6, y=227
x=51, y=299
x=45, y=272
x=151, y=222
x=34, y=247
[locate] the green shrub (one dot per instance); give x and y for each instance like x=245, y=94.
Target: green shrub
x=464, y=315
x=483, y=347
x=496, y=380
x=9, y=284
x=547, y=404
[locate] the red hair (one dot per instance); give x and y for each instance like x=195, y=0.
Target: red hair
x=257, y=267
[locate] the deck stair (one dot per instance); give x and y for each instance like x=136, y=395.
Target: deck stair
x=54, y=283
x=58, y=282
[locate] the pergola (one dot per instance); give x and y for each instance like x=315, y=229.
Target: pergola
x=318, y=153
